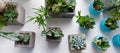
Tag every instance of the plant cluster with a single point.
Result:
(9, 14)
(98, 5)
(78, 42)
(59, 6)
(24, 38)
(85, 21)
(101, 43)
(53, 33)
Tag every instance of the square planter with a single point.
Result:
(62, 15)
(71, 49)
(50, 38)
(31, 41)
(21, 14)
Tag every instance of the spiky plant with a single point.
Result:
(78, 42)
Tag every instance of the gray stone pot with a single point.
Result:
(21, 14)
(71, 49)
(56, 39)
(31, 41)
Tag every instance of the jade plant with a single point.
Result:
(53, 33)
(22, 38)
(101, 43)
(60, 6)
(40, 17)
(9, 14)
(111, 23)
(98, 5)
(85, 21)
(78, 42)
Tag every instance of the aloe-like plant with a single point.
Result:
(111, 23)
(53, 33)
(24, 38)
(101, 43)
(98, 5)
(59, 6)
(78, 42)
(39, 16)
(85, 21)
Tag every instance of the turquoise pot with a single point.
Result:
(116, 40)
(92, 9)
(83, 29)
(94, 45)
(103, 27)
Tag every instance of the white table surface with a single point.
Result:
(68, 25)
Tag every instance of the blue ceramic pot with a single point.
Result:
(92, 9)
(94, 45)
(83, 28)
(103, 27)
(116, 40)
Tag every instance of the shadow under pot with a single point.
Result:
(92, 9)
(77, 43)
(116, 40)
(100, 43)
(104, 27)
(54, 34)
(31, 41)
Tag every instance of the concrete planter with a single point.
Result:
(71, 49)
(21, 14)
(62, 15)
(31, 41)
(48, 38)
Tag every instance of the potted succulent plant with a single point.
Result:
(95, 7)
(85, 22)
(100, 43)
(61, 8)
(116, 40)
(12, 13)
(53, 34)
(76, 42)
(24, 39)
(110, 24)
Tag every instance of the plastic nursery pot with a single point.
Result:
(116, 40)
(92, 9)
(94, 45)
(103, 27)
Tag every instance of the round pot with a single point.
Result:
(103, 27)
(116, 40)
(92, 9)
(83, 28)
(94, 45)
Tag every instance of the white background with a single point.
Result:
(68, 25)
